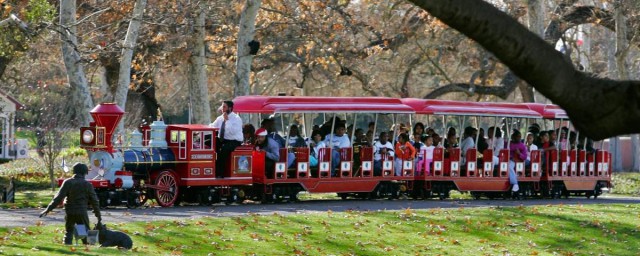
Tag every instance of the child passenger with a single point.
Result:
(404, 152)
(425, 157)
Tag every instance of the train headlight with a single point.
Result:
(87, 136)
(101, 172)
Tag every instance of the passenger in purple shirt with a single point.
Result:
(517, 152)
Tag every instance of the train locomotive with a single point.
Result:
(159, 162)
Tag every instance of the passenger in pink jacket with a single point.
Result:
(517, 153)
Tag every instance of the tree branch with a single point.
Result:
(535, 61)
(508, 84)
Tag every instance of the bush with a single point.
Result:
(73, 152)
(626, 183)
(31, 173)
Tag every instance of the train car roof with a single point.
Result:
(191, 126)
(468, 108)
(549, 111)
(308, 104)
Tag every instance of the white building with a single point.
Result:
(9, 146)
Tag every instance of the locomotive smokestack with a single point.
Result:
(107, 115)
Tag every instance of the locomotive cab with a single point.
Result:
(194, 149)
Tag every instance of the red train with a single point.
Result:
(176, 162)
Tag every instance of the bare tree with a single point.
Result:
(198, 90)
(124, 76)
(80, 93)
(245, 52)
(53, 144)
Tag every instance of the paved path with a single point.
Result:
(28, 217)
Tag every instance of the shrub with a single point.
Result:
(73, 152)
(626, 183)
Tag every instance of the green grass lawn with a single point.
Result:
(30, 199)
(537, 230)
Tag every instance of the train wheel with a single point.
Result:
(343, 196)
(167, 196)
(588, 194)
(233, 197)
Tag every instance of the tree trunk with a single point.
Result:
(80, 93)
(244, 58)
(124, 76)
(538, 63)
(536, 10)
(198, 89)
(4, 63)
(622, 50)
(536, 13)
(621, 68)
(622, 45)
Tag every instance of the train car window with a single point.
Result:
(196, 140)
(174, 136)
(201, 140)
(208, 140)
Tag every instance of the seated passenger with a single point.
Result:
(359, 141)
(248, 132)
(294, 141)
(563, 142)
(369, 138)
(517, 153)
(339, 139)
(382, 149)
(468, 142)
(450, 142)
(404, 152)
(316, 144)
(451, 139)
(437, 140)
(585, 143)
(418, 144)
(553, 137)
(545, 142)
(530, 146)
(416, 140)
(495, 141)
(534, 129)
(425, 157)
(418, 129)
(271, 149)
(269, 125)
(482, 141)
(430, 131)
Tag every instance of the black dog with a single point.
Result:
(108, 238)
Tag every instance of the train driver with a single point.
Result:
(229, 136)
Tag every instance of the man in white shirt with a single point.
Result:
(337, 140)
(229, 136)
(381, 148)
